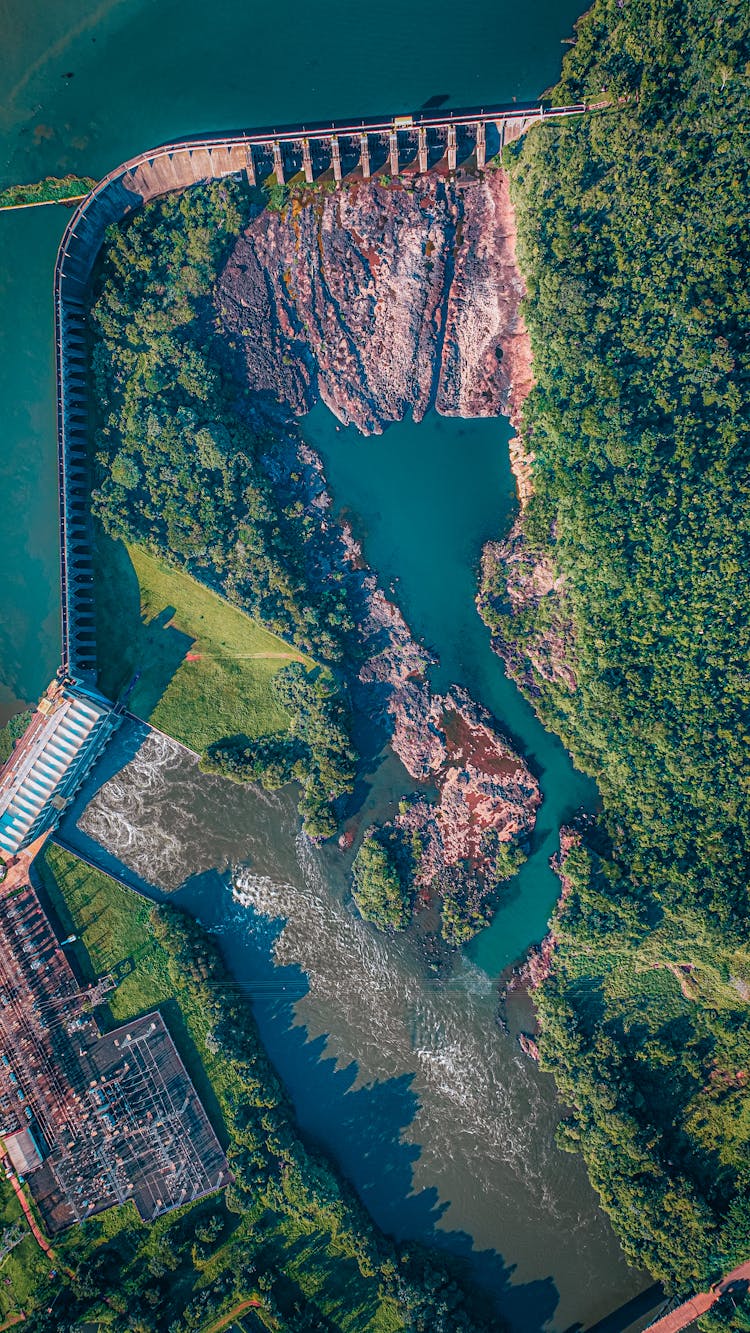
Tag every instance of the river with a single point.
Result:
(443, 1126)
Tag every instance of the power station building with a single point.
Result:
(69, 728)
(90, 1118)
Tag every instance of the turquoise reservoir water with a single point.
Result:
(423, 499)
(443, 1127)
(29, 600)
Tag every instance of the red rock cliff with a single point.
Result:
(384, 300)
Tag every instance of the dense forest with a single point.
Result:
(382, 873)
(190, 467)
(634, 238)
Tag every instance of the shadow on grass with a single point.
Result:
(127, 645)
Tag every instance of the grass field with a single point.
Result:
(25, 1271)
(205, 667)
(111, 925)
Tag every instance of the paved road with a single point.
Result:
(38, 1235)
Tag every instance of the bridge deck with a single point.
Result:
(687, 1313)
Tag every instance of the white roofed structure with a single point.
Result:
(49, 763)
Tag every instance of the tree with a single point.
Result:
(380, 891)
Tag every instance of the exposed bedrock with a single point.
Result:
(384, 300)
(485, 794)
(483, 786)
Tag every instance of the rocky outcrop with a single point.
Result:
(483, 785)
(485, 794)
(486, 355)
(384, 301)
(516, 578)
(528, 1046)
(447, 740)
(522, 467)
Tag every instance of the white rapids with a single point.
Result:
(481, 1103)
(486, 1115)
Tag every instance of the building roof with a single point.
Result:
(48, 762)
(23, 1152)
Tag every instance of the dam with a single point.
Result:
(73, 720)
(469, 139)
(289, 160)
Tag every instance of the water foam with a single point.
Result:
(480, 1103)
(123, 815)
(485, 1114)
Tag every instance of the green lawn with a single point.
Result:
(206, 668)
(24, 1272)
(112, 926)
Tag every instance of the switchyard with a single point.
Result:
(91, 1119)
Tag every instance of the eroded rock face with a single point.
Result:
(485, 366)
(384, 300)
(485, 793)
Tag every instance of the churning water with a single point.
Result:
(444, 1127)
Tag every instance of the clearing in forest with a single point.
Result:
(206, 668)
